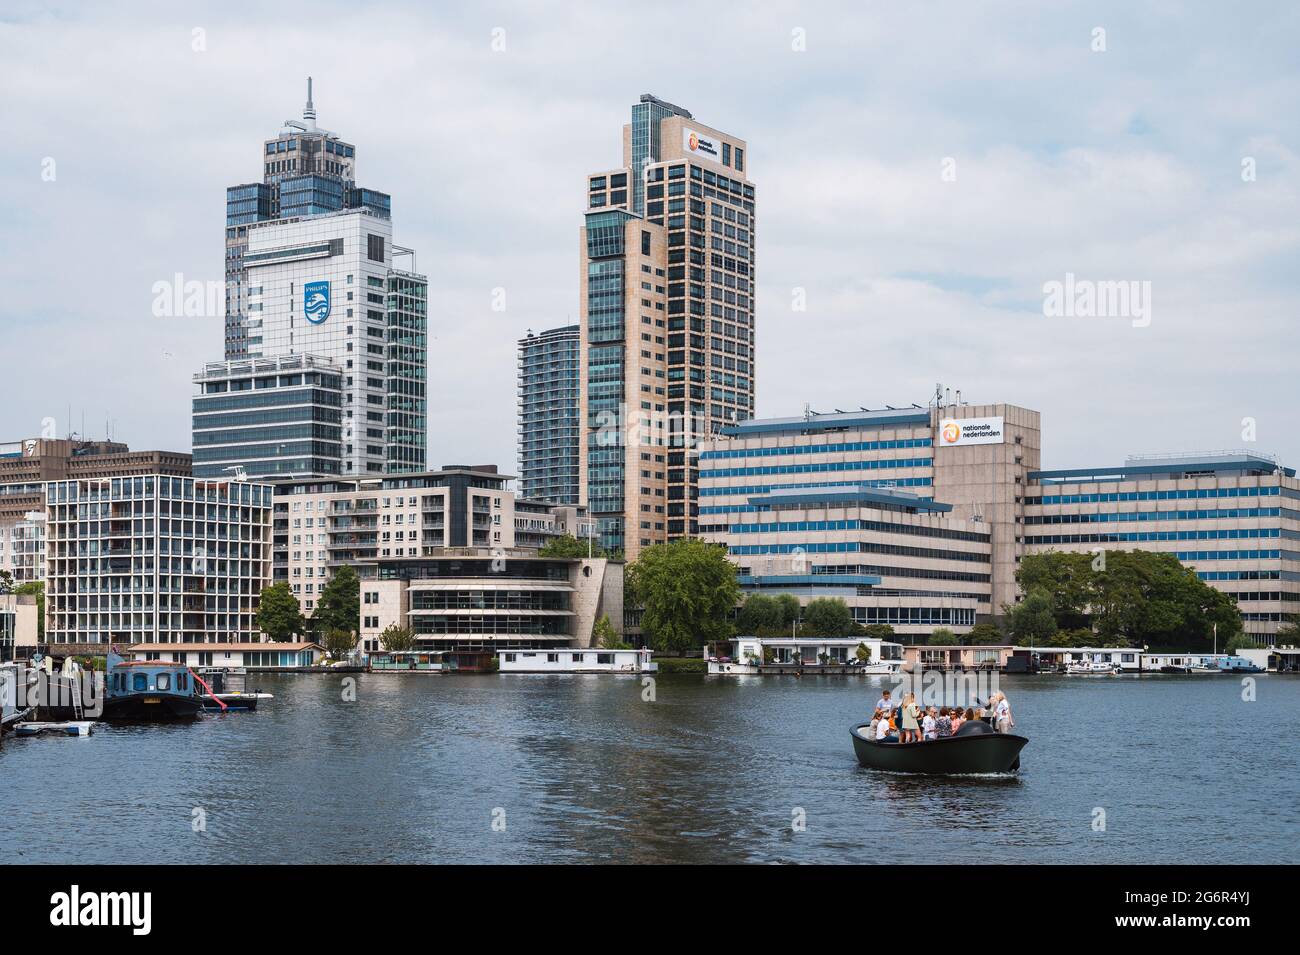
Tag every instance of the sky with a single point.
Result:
(924, 172)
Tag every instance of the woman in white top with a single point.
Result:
(1002, 720)
(882, 730)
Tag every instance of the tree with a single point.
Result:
(278, 613)
(1031, 622)
(768, 615)
(36, 589)
(568, 546)
(827, 617)
(688, 590)
(339, 604)
(396, 638)
(339, 643)
(1069, 580)
(1238, 643)
(6, 582)
(943, 637)
(983, 635)
(1288, 632)
(604, 635)
(863, 653)
(878, 631)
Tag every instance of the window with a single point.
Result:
(139, 682)
(604, 658)
(375, 248)
(164, 681)
(645, 243)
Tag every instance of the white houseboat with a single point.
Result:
(1180, 662)
(814, 654)
(1089, 659)
(576, 660)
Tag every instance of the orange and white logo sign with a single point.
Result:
(954, 432)
(694, 142)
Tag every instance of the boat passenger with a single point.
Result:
(885, 704)
(1002, 720)
(911, 713)
(884, 732)
(876, 717)
(930, 723)
(955, 719)
(944, 727)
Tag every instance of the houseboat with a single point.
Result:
(151, 690)
(247, 656)
(1179, 663)
(776, 655)
(576, 660)
(1236, 664)
(1117, 659)
(1274, 659)
(405, 661)
(983, 657)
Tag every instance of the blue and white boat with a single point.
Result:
(149, 690)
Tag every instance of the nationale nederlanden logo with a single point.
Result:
(951, 432)
(695, 142)
(316, 301)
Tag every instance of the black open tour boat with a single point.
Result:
(975, 748)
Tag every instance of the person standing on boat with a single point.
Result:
(885, 704)
(1002, 720)
(911, 728)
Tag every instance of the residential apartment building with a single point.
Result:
(1233, 517)
(26, 466)
(667, 280)
(154, 559)
(549, 424)
(278, 418)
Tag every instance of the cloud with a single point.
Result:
(1117, 165)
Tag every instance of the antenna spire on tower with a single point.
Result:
(309, 111)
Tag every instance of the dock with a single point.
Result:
(68, 728)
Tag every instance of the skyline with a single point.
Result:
(489, 180)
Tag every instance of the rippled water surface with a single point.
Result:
(582, 770)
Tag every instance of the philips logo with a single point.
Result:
(316, 301)
(103, 908)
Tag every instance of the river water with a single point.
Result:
(514, 768)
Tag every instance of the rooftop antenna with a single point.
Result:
(309, 111)
(807, 411)
(958, 396)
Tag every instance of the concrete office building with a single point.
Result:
(476, 600)
(784, 495)
(154, 559)
(310, 272)
(325, 286)
(667, 282)
(320, 526)
(1233, 517)
(278, 418)
(876, 507)
(305, 171)
(549, 425)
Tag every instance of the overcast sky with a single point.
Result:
(922, 170)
